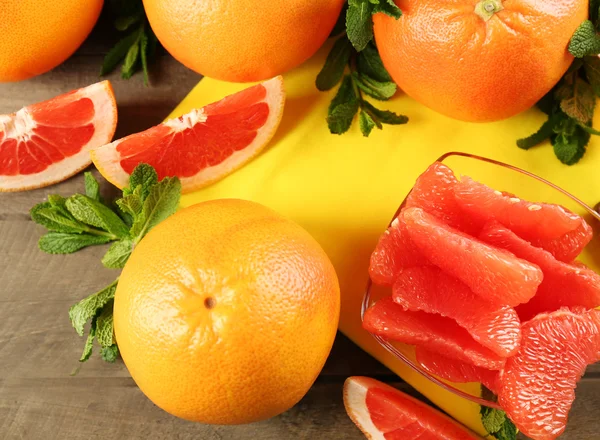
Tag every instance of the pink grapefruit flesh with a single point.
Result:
(568, 246)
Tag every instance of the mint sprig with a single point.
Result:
(84, 220)
(496, 423)
(355, 64)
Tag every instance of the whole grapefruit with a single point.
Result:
(234, 40)
(480, 60)
(226, 312)
(38, 36)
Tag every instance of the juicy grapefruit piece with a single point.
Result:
(385, 413)
(494, 274)
(48, 142)
(202, 146)
(437, 333)
(546, 225)
(564, 284)
(394, 251)
(536, 388)
(431, 290)
(455, 370)
(434, 193)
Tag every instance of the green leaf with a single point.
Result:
(592, 70)
(162, 201)
(94, 213)
(359, 25)
(384, 116)
(388, 7)
(375, 89)
(110, 354)
(334, 66)
(585, 41)
(366, 123)
(492, 419)
(545, 132)
(570, 143)
(57, 201)
(340, 119)
(104, 325)
(92, 188)
(54, 219)
(340, 24)
(368, 62)
(87, 308)
(131, 59)
(89, 343)
(507, 432)
(144, 56)
(590, 130)
(124, 22)
(65, 243)
(132, 203)
(577, 99)
(118, 254)
(117, 53)
(145, 176)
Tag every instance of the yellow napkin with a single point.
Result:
(344, 189)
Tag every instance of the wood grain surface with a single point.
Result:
(46, 394)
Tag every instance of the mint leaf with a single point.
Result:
(89, 343)
(368, 62)
(384, 116)
(123, 23)
(117, 53)
(131, 59)
(94, 213)
(343, 107)
(545, 131)
(585, 41)
(366, 123)
(92, 188)
(162, 201)
(359, 25)
(118, 254)
(53, 219)
(508, 431)
(570, 141)
(577, 99)
(388, 7)
(110, 354)
(376, 89)
(492, 419)
(104, 325)
(132, 203)
(334, 66)
(87, 308)
(64, 243)
(143, 175)
(144, 56)
(57, 201)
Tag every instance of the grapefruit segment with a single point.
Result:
(564, 284)
(433, 291)
(437, 333)
(568, 246)
(536, 388)
(385, 413)
(47, 142)
(494, 274)
(202, 146)
(394, 251)
(455, 370)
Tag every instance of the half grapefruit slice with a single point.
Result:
(47, 142)
(202, 146)
(385, 413)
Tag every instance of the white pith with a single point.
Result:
(19, 125)
(355, 395)
(107, 159)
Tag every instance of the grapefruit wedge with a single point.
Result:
(47, 142)
(202, 146)
(385, 413)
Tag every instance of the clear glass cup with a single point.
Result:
(502, 177)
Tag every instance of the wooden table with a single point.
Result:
(41, 397)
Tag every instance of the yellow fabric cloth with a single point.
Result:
(344, 189)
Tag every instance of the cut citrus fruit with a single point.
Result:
(202, 146)
(433, 291)
(455, 370)
(434, 193)
(545, 225)
(47, 142)
(564, 284)
(537, 386)
(494, 274)
(434, 332)
(394, 251)
(385, 413)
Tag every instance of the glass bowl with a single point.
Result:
(502, 177)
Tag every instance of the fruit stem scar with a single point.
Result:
(210, 302)
(487, 8)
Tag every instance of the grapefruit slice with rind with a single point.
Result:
(492, 273)
(437, 333)
(433, 291)
(203, 145)
(382, 412)
(564, 284)
(48, 142)
(536, 388)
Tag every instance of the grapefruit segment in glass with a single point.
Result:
(494, 274)
(385, 413)
(568, 246)
(202, 146)
(536, 388)
(564, 284)
(437, 333)
(47, 142)
(431, 290)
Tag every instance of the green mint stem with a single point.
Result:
(103, 233)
